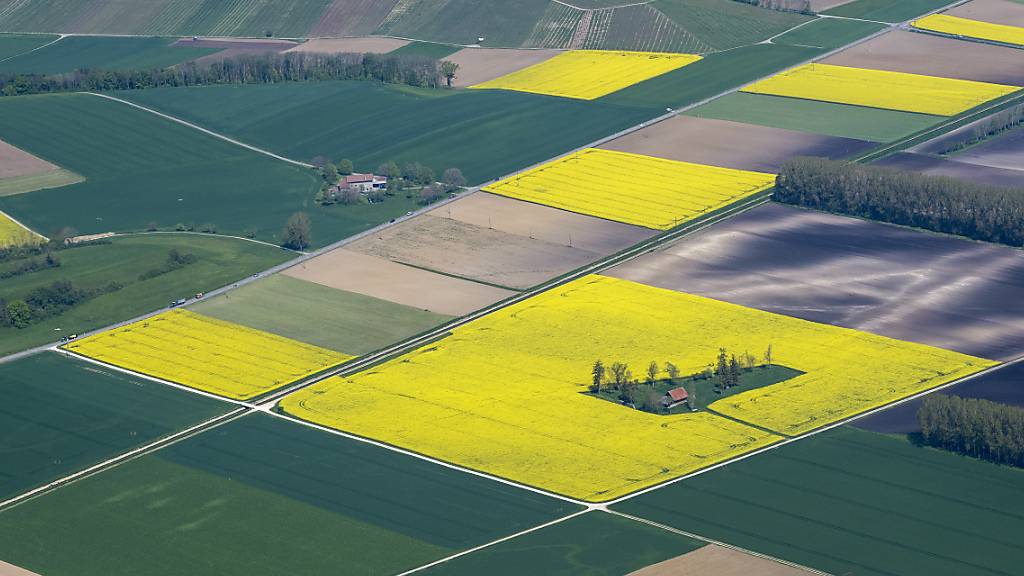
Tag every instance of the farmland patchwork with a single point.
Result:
(632, 188)
(860, 87)
(208, 354)
(497, 393)
(590, 74)
(971, 28)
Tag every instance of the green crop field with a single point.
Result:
(710, 76)
(60, 415)
(165, 17)
(263, 496)
(829, 33)
(485, 133)
(499, 22)
(428, 49)
(219, 261)
(855, 502)
(593, 544)
(872, 124)
(726, 24)
(105, 53)
(12, 45)
(887, 10)
(344, 321)
(142, 169)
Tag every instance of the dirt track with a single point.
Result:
(380, 278)
(997, 11)
(731, 144)
(914, 52)
(712, 560)
(12, 570)
(16, 162)
(338, 45)
(478, 65)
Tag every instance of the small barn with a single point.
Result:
(675, 397)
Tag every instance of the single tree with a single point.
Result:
(672, 370)
(597, 374)
(390, 169)
(652, 373)
(330, 173)
(722, 364)
(749, 361)
(734, 371)
(410, 170)
(425, 175)
(453, 179)
(768, 357)
(345, 166)
(19, 314)
(448, 70)
(620, 374)
(298, 233)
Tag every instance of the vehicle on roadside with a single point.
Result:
(178, 302)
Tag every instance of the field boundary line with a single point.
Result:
(19, 223)
(494, 542)
(50, 43)
(201, 129)
(714, 542)
(208, 234)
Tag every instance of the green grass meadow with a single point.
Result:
(220, 261)
(427, 49)
(61, 415)
(887, 10)
(485, 133)
(854, 502)
(103, 53)
(141, 169)
(842, 120)
(829, 34)
(729, 24)
(330, 318)
(263, 496)
(592, 544)
(11, 45)
(499, 22)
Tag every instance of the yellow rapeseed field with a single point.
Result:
(972, 28)
(208, 354)
(881, 89)
(590, 74)
(632, 188)
(503, 394)
(11, 234)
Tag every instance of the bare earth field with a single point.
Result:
(915, 53)
(543, 223)
(352, 17)
(338, 45)
(897, 282)
(465, 250)
(380, 278)
(16, 162)
(1005, 151)
(12, 570)
(232, 47)
(478, 65)
(996, 11)
(731, 144)
(954, 169)
(712, 560)
(822, 5)
(21, 172)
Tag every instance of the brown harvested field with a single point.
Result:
(543, 223)
(380, 278)
(713, 560)
(976, 172)
(997, 11)
(1005, 151)
(731, 144)
(454, 247)
(893, 281)
(915, 52)
(478, 65)
(352, 17)
(12, 570)
(822, 5)
(232, 47)
(16, 162)
(338, 45)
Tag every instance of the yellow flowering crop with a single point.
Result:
(632, 188)
(971, 28)
(590, 74)
(208, 354)
(504, 393)
(881, 89)
(11, 234)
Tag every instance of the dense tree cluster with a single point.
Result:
(46, 301)
(978, 428)
(936, 203)
(244, 69)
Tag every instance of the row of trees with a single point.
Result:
(940, 204)
(997, 124)
(411, 70)
(801, 6)
(978, 428)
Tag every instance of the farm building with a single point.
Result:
(363, 182)
(675, 397)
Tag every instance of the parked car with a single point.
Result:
(73, 336)
(177, 302)
(199, 295)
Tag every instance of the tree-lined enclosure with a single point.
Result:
(411, 70)
(937, 203)
(974, 427)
